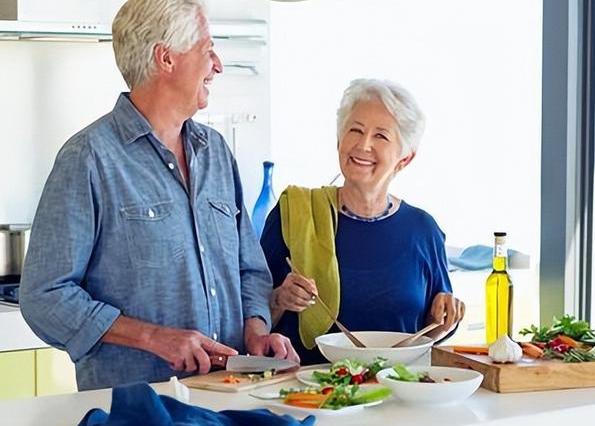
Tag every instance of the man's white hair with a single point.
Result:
(398, 101)
(140, 25)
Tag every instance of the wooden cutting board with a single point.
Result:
(214, 381)
(527, 375)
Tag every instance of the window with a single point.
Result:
(475, 69)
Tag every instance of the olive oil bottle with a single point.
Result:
(499, 293)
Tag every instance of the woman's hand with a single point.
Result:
(447, 310)
(294, 294)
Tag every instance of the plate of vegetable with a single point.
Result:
(344, 372)
(567, 339)
(330, 400)
(430, 385)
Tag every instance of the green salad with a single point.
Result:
(348, 371)
(402, 374)
(333, 398)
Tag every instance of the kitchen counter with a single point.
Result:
(484, 407)
(15, 334)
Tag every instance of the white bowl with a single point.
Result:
(462, 383)
(336, 347)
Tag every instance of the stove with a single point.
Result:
(9, 289)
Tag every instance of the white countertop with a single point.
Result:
(484, 407)
(15, 334)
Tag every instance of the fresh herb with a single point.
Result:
(567, 325)
(567, 339)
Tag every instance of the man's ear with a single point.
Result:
(162, 58)
(403, 162)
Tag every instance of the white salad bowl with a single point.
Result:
(336, 347)
(460, 384)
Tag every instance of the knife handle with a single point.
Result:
(218, 362)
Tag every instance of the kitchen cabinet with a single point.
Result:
(35, 372)
(17, 374)
(54, 372)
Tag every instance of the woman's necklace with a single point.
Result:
(386, 212)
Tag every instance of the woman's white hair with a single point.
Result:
(142, 24)
(398, 101)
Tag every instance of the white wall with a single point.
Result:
(475, 68)
(50, 90)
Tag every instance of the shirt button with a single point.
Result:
(201, 248)
(171, 166)
(213, 291)
(151, 213)
(214, 336)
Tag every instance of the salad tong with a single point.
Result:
(358, 343)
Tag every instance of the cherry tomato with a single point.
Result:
(326, 390)
(357, 379)
(342, 371)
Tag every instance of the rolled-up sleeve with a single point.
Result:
(52, 293)
(255, 277)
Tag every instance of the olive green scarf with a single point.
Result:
(309, 225)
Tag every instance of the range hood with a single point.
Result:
(91, 20)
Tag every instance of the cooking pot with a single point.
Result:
(14, 240)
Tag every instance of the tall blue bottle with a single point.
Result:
(266, 200)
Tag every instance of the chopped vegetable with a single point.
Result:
(568, 339)
(532, 350)
(404, 375)
(231, 379)
(478, 350)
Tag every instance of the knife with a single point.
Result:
(250, 363)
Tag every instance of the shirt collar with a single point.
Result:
(132, 124)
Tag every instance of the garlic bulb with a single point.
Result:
(505, 350)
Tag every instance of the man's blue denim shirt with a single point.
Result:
(116, 231)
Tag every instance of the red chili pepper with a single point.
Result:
(562, 348)
(342, 371)
(326, 390)
(555, 342)
(357, 379)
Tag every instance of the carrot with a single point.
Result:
(477, 350)
(231, 379)
(568, 340)
(532, 350)
(306, 400)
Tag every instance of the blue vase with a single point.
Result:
(266, 200)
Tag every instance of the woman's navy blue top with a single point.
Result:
(390, 271)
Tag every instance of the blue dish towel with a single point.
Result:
(138, 404)
(475, 258)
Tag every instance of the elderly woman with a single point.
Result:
(376, 261)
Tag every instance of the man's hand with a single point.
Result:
(274, 343)
(447, 310)
(186, 350)
(258, 341)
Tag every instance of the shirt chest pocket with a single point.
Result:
(154, 233)
(223, 214)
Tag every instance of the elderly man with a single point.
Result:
(142, 261)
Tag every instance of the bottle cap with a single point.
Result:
(499, 234)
